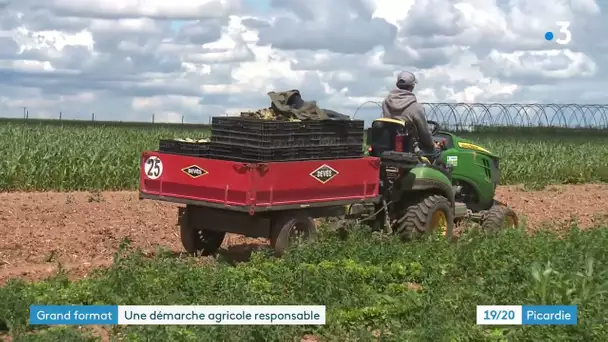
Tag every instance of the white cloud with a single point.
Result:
(126, 60)
(559, 64)
(186, 9)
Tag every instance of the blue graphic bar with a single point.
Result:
(549, 314)
(74, 314)
(177, 314)
(266, 315)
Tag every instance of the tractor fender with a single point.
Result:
(426, 179)
(469, 182)
(489, 199)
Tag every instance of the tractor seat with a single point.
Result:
(389, 134)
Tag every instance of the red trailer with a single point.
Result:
(274, 200)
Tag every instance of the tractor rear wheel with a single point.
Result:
(431, 213)
(499, 217)
(289, 230)
(196, 239)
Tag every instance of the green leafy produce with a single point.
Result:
(371, 286)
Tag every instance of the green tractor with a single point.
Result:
(422, 194)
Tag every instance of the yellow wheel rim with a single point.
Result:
(439, 222)
(510, 222)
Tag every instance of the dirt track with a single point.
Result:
(83, 230)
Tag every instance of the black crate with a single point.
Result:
(278, 134)
(277, 154)
(196, 149)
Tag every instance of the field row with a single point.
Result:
(45, 157)
(372, 287)
(78, 241)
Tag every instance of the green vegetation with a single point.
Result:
(88, 123)
(426, 291)
(77, 157)
(538, 160)
(84, 156)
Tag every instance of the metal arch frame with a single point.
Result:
(463, 115)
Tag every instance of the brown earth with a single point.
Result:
(82, 230)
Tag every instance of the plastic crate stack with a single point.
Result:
(195, 149)
(251, 140)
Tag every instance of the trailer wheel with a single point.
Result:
(431, 213)
(499, 217)
(287, 231)
(196, 239)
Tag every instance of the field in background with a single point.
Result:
(80, 156)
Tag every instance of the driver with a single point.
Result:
(401, 103)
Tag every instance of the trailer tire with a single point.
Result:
(197, 240)
(424, 217)
(499, 217)
(285, 229)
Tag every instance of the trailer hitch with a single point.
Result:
(474, 216)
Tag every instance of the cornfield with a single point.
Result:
(82, 157)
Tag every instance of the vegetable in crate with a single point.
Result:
(289, 106)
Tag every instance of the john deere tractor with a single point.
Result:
(423, 193)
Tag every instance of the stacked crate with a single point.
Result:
(254, 140)
(188, 148)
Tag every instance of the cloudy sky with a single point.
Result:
(127, 59)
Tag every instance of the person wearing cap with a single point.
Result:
(401, 103)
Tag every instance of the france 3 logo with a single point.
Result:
(565, 35)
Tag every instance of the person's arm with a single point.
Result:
(386, 112)
(425, 137)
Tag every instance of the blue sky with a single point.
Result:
(262, 5)
(177, 24)
(259, 5)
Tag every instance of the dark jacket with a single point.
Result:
(401, 103)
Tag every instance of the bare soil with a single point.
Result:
(81, 231)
